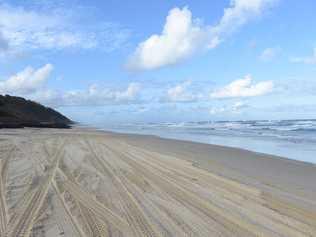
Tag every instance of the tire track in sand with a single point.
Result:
(72, 219)
(93, 205)
(22, 226)
(232, 221)
(135, 215)
(4, 215)
(255, 206)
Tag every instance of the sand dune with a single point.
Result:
(87, 183)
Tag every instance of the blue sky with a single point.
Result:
(151, 61)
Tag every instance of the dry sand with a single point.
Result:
(81, 182)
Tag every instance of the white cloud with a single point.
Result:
(30, 83)
(31, 28)
(243, 88)
(94, 95)
(269, 53)
(130, 93)
(307, 60)
(235, 108)
(180, 93)
(239, 13)
(238, 106)
(217, 110)
(182, 36)
(26, 81)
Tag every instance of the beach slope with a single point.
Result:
(81, 182)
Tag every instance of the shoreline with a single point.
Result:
(259, 169)
(250, 160)
(293, 139)
(143, 185)
(198, 142)
(215, 145)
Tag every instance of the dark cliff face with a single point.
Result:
(18, 112)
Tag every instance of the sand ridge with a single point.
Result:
(84, 183)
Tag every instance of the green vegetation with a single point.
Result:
(17, 112)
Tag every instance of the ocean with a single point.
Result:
(294, 139)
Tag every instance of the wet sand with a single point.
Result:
(81, 182)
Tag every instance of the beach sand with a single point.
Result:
(83, 182)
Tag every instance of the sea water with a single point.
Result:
(294, 139)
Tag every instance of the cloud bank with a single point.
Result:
(243, 88)
(27, 81)
(30, 83)
(235, 108)
(92, 96)
(180, 93)
(183, 36)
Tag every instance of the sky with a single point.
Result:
(115, 61)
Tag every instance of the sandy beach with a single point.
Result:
(82, 182)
